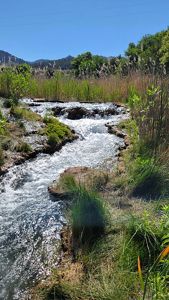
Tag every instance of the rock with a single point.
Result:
(58, 111)
(121, 167)
(127, 141)
(32, 127)
(39, 100)
(85, 176)
(33, 104)
(37, 142)
(115, 130)
(76, 113)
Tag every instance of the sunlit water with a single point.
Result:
(29, 220)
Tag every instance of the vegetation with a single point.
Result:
(123, 254)
(128, 259)
(88, 213)
(56, 131)
(24, 113)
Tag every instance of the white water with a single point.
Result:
(29, 220)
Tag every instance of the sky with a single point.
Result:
(34, 29)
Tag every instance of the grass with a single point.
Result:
(147, 160)
(66, 87)
(56, 131)
(23, 147)
(113, 88)
(24, 113)
(88, 213)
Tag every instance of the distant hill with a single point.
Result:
(63, 63)
(9, 59)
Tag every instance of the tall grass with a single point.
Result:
(88, 213)
(113, 88)
(151, 235)
(66, 87)
(148, 160)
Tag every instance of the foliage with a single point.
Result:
(56, 131)
(24, 113)
(164, 51)
(15, 82)
(146, 55)
(2, 124)
(154, 270)
(87, 65)
(147, 162)
(149, 179)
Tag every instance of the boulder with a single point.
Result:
(77, 113)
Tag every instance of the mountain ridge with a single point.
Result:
(8, 59)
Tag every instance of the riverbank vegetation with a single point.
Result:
(125, 258)
(93, 77)
(24, 134)
(128, 258)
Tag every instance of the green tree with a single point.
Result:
(20, 82)
(165, 50)
(86, 65)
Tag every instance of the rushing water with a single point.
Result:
(29, 220)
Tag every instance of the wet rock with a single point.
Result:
(58, 111)
(33, 104)
(32, 127)
(39, 100)
(115, 130)
(77, 113)
(37, 142)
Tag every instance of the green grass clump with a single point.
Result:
(150, 234)
(56, 131)
(24, 113)
(88, 213)
(150, 179)
(23, 147)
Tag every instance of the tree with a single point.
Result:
(20, 82)
(87, 65)
(165, 50)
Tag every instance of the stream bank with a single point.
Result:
(30, 221)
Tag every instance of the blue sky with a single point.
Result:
(33, 29)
